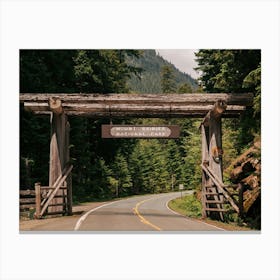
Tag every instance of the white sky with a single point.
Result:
(182, 59)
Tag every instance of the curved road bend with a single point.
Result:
(141, 213)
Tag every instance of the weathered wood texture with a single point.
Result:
(55, 190)
(215, 140)
(55, 105)
(38, 199)
(138, 105)
(244, 99)
(215, 144)
(205, 159)
(214, 193)
(58, 151)
(27, 200)
(127, 110)
(69, 177)
(28, 197)
(27, 192)
(246, 171)
(221, 187)
(216, 112)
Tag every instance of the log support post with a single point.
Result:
(69, 178)
(215, 148)
(211, 129)
(59, 153)
(205, 160)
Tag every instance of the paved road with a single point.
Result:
(140, 213)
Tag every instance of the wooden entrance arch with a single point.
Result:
(211, 107)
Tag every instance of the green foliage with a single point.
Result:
(191, 144)
(189, 206)
(225, 70)
(185, 88)
(167, 79)
(34, 137)
(148, 167)
(103, 71)
(47, 71)
(253, 82)
(121, 173)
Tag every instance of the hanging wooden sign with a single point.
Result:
(140, 131)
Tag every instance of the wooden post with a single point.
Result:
(215, 146)
(205, 159)
(57, 154)
(215, 150)
(69, 178)
(38, 200)
(55, 105)
(213, 157)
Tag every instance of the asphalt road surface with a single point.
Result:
(139, 213)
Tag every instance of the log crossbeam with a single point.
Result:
(135, 105)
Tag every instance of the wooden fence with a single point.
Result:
(42, 198)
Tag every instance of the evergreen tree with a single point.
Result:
(175, 163)
(167, 80)
(122, 175)
(185, 88)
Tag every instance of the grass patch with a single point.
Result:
(188, 206)
(191, 207)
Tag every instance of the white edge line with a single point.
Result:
(81, 220)
(166, 204)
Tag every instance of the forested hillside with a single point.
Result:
(150, 81)
(106, 168)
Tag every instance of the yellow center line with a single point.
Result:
(142, 219)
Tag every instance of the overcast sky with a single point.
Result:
(182, 59)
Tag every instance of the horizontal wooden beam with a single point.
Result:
(137, 105)
(141, 114)
(244, 99)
